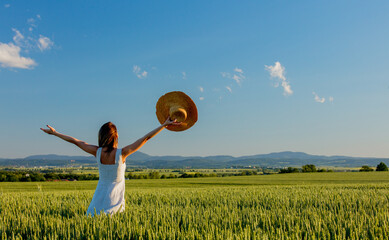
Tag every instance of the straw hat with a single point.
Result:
(177, 105)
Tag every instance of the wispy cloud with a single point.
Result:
(237, 75)
(18, 37)
(201, 90)
(318, 99)
(229, 89)
(28, 42)
(287, 88)
(183, 75)
(136, 69)
(238, 70)
(331, 99)
(10, 53)
(138, 72)
(278, 72)
(238, 79)
(33, 22)
(7, 5)
(44, 43)
(10, 57)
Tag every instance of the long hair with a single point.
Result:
(108, 136)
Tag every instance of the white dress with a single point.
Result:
(109, 194)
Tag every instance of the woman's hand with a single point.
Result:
(50, 131)
(171, 122)
(81, 144)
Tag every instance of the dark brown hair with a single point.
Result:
(108, 136)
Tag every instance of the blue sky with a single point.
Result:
(266, 76)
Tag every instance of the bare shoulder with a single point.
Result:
(91, 149)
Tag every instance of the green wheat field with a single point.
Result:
(353, 205)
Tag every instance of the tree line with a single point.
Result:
(157, 175)
(380, 167)
(304, 169)
(26, 176)
(312, 168)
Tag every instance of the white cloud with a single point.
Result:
(238, 70)
(318, 99)
(18, 38)
(10, 57)
(44, 43)
(7, 5)
(287, 88)
(331, 99)
(278, 71)
(201, 98)
(238, 79)
(183, 75)
(138, 72)
(229, 89)
(10, 54)
(201, 89)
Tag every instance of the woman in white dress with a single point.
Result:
(109, 194)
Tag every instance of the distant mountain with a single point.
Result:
(139, 159)
(283, 155)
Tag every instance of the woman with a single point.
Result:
(109, 194)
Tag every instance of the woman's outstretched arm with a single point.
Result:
(92, 149)
(130, 149)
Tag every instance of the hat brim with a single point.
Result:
(182, 100)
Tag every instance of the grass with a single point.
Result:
(348, 205)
